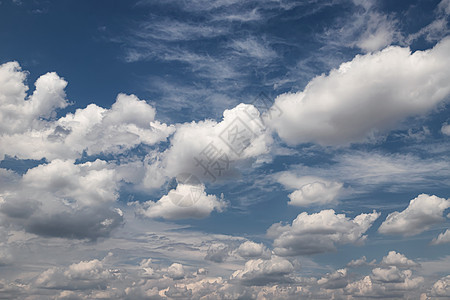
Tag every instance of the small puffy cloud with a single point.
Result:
(310, 190)
(315, 193)
(445, 129)
(392, 274)
(360, 262)
(319, 232)
(421, 213)
(176, 271)
(442, 238)
(397, 259)
(19, 113)
(249, 249)
(370, 94)
(187, 201)
(262, 272)
(335, 280)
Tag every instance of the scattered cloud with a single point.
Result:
(319, 232)
(344, 106)
(262, 272)
(421, 213)
(442, 238)
(310, 190)
(250, 249)
(62, 199)
(398, 260)
(445, 129)
(185, 202)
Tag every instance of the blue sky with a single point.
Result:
(224, 149)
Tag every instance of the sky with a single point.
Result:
(223, 149)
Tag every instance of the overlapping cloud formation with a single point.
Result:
(84, 167)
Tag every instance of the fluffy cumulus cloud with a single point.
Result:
(19, 112)
(262, 272)
(185, 202)
(310, 190)
(29, 128)
(442, 238)
(62, 199)
(370, 94)
(209, 149)
(421, 213)
(319, 232)
(441, 288)
(397, 259)
(335, 280)
(250, 249)
(445, 129)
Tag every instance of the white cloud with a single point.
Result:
(315, 193)
(392, 274)
(185, 202)
(360, 262)
(370, 94)
(441, 288)
(261, 272)
(421, 213)
(445, 129)
(62, 199)
(335, 280)
(319, 232)
(397, 259)
(250, 249)
(19, 113)
(380, 32)
(176, 271)
(442, 238)
(310, 190)
(208, 149)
